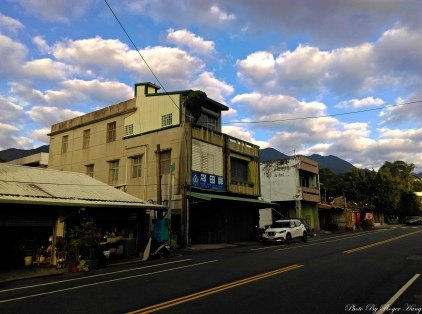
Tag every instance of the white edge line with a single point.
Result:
(394, 298)
(104, 282)
(92, 276)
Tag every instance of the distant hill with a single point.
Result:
(269, 154)
(419, 175)
(335, 164)
(15, 153)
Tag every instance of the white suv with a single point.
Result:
(285, 230)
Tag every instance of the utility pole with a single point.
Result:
(159, 174)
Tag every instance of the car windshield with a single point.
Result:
(281, 224)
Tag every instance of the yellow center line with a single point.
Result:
(380, 242)
(204, 293)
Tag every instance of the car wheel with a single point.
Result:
(305, 236)
(288, 238)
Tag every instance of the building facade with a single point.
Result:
(293, 183)
(167, 148)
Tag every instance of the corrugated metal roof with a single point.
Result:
(19, 184)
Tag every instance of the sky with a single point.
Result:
(326, 77)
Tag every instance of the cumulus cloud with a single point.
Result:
(213, 87)
(394, 60)
(110, 56)
(47, 69)
(405, 111)
(184, 38)
(10, 25)
(204, 14)
(277, 107)
(41, 44)
(360, 103)
(12, 54)
(10, 137)
(46, 116)
(10, 111)
(74, 93)
(40, 135)
(220, 15)
(57, 10)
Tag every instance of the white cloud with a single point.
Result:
(46, 116)
(57, 10)
(74, 93)
(258, 68)
(213, 87)
(11, 25)
(41, 44)
(277, 107)
(10, 138)
(47, 69)
(173, 66)
(220, 15)
(184, 38)
(360, 103)
(9, 110)
(405, 111)
(12, 54)
(40, 135)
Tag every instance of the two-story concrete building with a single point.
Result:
(293, 183)
(167, 148)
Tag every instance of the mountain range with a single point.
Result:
(335, 164)
(15, 153)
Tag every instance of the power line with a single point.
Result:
(143, 59)
(324, 116)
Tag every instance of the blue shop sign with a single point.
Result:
(208, 181)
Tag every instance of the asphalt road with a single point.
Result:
(351, 273)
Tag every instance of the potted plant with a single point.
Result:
(81, 241)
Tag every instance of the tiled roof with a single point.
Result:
(27, 185)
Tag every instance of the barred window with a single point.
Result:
(65, 142)
(136, 166)
(111, 131)
(113, 172)
(128, 129)
(90, 170)
(167, 120)
(86, 138)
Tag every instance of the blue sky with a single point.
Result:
(278, 61)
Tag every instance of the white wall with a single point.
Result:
(280, 180)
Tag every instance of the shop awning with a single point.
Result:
(209, 197)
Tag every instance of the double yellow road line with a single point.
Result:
(380, 242)
(204, 293)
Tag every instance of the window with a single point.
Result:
(128, 129)
(86, 136)
(212, 123)
(136, 166)
(165, 158)
(65, 142)
(239, 170)
(113, 171)
(111, 131)
(90, 170)
(167, 120)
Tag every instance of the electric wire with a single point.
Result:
(324, 116)
(143, 59)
